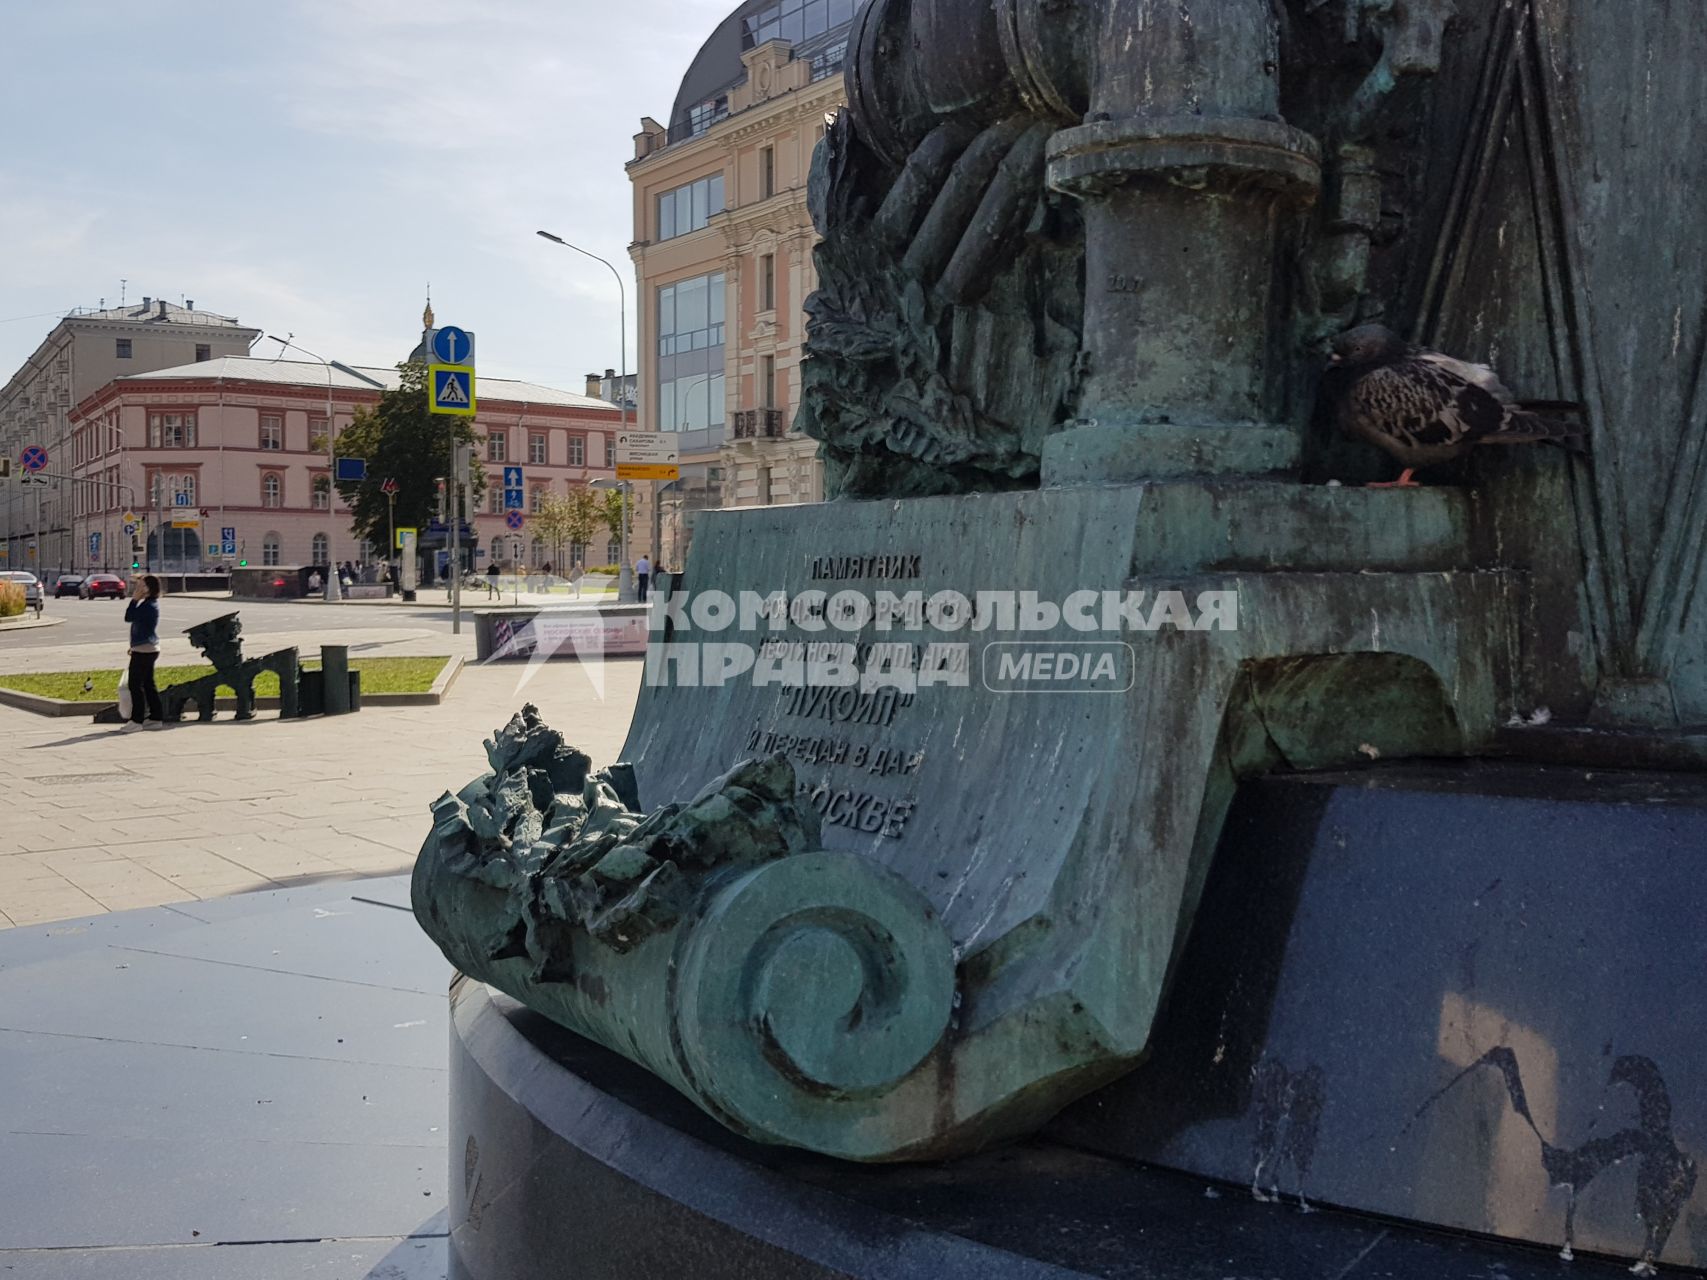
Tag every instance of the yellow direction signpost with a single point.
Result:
(647, 455)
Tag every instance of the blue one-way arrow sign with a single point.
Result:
(512, 477)
(453, 346)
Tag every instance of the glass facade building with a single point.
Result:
(795, 21)
(689, 207)
(690, 353)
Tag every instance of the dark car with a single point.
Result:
(103, 584)
(68, 584)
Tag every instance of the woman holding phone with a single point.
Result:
(143, 614)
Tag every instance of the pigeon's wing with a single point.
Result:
(1417, 403)
(1476, 374)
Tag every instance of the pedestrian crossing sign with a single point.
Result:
(450, 388)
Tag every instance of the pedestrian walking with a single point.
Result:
(315, 582)
(642, 578)
(143, 615)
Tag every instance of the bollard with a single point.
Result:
(355, 691)
(290, 694)
(335, 664)
(313, 693)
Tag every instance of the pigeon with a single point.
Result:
(1426, 408)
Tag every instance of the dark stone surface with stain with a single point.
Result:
(1467, 995)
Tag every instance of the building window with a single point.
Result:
(700, 117)
(767, 172)
(577, 451)
(767, 282)
(536, 495)
(536, 448)
(272, 491)
(322, 495)
(764, 486)
(123, 345)
(690, 353)
(613, 552)
(203, 352)
(826, 62)
(795, 21)
(320, 549)
(317, 433)
(689, 207)
(183, 490)
(538, 549)
(610, 451)
(494, 501)
(172, 430)
(767, 381)
(272, 431)
(495, 447)
(270, 549)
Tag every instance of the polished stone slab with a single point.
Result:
(246, 1087)
(1441, 993)
(569, 1160)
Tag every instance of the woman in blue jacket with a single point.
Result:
(143, 614)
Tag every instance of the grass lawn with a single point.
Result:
(379, 675)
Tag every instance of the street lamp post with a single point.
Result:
(625, 572)
(332, 594)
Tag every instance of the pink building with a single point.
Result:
(231, 437)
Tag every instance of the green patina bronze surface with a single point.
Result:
(1078, 263)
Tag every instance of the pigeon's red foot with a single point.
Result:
(1403, 482)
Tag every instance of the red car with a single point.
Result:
(102, 584)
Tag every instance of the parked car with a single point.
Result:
(68, 584)
(32, 588)
(103, 584)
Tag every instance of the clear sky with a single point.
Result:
(309, 165)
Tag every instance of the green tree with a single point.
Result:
(402, 441)
(567, 520)
(615, 507)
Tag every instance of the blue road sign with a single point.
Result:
(514, 519)
(94, 545)
(453, 346)
(33, 458)
(228, 534)
(451, 389)
(513, 500)
(512, 477)
(228, 547)
(180, 499)
(352, 468)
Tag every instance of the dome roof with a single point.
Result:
(717, 66)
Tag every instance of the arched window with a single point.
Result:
(612, 551)
(272, 491)
(320, 549)
(270, 547)
(322, 493)
(183, 486)
(538, 552)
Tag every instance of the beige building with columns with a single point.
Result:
(723, 254)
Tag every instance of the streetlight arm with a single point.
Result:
(622, 348)
(332, 592)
